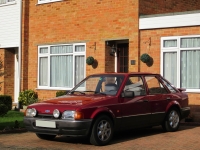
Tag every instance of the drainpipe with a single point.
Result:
(19, 52)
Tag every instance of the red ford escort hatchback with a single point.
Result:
(104, 103)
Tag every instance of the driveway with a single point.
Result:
(187, 138)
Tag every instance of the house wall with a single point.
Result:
(7, 68)
(150, 7)
(154, 51)
(87, 21)
(9, 72)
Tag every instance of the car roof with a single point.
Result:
(130, 73)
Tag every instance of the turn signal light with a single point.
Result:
(78, 116)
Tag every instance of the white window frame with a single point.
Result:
(8, 3)
(178, 50)
(47, 1)
(48, 55)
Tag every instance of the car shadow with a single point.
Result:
(121, 136)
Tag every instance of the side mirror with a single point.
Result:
(128, 94)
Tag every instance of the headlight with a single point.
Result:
(56, 113)
(74, 115)
(68, 115)
(31, 112)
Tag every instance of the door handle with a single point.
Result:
(168, 98)
(145, 100)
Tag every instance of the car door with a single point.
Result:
(158, 98)
(135, 110)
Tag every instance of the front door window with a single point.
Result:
(122, 57)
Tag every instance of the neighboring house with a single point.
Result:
(10, 46)
(58, 36)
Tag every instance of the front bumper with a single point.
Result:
(63, 127)
(185, 112)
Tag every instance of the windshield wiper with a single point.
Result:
(78, 92)
(100, 93)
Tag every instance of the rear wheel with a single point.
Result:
(46, 136)
(172, 120)
(102, 131)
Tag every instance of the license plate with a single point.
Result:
(47, 124)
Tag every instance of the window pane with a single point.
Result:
(79, 68)
(170, 43)
(61, 71)
(44, 50)
(79, 48)
(155, 87)
(190, 69)
(190, 42)
(136, 85)
(43, 71)
(61, 49)
(3, 1)
(170, 67)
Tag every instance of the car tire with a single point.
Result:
(172, 120)
(46, 136)
(102, 131)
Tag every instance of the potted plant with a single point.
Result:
(90, 60)
(145, 58)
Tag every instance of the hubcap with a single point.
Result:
(173, 119)
(103, 130)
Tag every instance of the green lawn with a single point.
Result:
(9, 119)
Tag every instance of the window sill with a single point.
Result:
(39, 3)
(193, 91)
(53, 89)
(9, 3)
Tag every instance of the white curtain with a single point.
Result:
(190, 42)
(61, 67)
(190, 69)
(170, 67)
(43, 71)
(79, 68)
(79, 64)
(3, 1)
(170, 43)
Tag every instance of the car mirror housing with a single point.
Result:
(128, 94)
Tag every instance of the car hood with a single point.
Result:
(67, 102)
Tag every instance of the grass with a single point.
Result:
(9, 119)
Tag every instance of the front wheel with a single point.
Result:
(172, 120)
(46, 136)
(102, 131)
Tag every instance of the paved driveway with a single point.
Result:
(187, 138)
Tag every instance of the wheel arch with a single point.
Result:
(171, 105)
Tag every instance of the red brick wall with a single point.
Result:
(149, 7)
(9, 72)
(75, 21)
(2, 58)
(7, 58)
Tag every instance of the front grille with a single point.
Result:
(45, 116)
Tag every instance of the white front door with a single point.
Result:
(16, 80)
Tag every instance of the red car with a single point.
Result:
(104, 103)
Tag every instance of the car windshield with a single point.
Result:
(106, 84)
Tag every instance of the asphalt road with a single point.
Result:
(186, 138)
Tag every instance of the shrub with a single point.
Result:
(27, 97)
(3, 109)
(7, 100)
(60, 93)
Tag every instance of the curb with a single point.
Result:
(190, 123)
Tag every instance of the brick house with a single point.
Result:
(58, 35)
